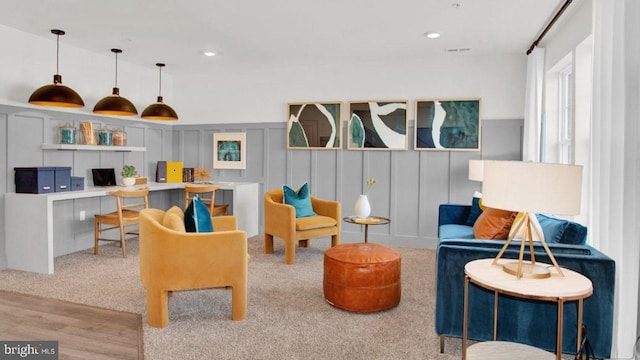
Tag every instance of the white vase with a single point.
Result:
(362, 208)
(128, 181)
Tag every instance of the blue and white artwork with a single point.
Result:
(314, 125)
(229, 151)
(447, 124)
(377, 125)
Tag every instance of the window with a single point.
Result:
(565, 116)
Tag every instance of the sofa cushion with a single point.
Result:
(493, 224)
(455, 231)
(558, 230)
(314, 222)
(300, 200)
(197, 217)
(476, 209)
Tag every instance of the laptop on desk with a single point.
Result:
(104, 177)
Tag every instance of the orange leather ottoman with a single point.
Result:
(362, 277)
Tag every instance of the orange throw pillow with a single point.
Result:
(494, 224)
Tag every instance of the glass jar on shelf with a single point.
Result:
(119, 137)
(67, 134)
(88, 133)
(105, 136)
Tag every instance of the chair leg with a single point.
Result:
(239, 302)
(304, 243)
(157, 307)
(268, 244)
(335, 240)
(290, 251)
(96, 232)
(441, 344)
(122, 242)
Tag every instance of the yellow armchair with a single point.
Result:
(172, 260)
(280, 220)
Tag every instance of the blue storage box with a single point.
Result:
(62, 180)
(35, 180)
(42, 180)
(77, 183)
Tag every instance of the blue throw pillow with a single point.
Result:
(300, 200)
(557, 230)
(575, 234)
(475, 211)
(552, 227)
(197, 217)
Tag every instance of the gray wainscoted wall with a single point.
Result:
(21, 138)
(409, 184)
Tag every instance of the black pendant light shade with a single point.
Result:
(56, 94)
(115, 104)
(159, 110)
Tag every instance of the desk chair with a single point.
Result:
(207, 194)
(127, 214)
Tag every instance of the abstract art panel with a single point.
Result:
(447, 124)
(377, 125)
(229, 151)
(314, 126)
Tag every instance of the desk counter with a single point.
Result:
(30, 226)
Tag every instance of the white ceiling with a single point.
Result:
(281, 32)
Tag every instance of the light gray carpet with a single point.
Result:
(287, 315)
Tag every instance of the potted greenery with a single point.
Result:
(129, 175)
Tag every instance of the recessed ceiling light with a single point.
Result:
(432, 35)
(209, 53)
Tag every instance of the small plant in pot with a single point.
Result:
(129, 175)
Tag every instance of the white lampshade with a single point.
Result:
(532, 187)
(475, 170)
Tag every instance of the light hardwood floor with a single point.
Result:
(82, 331)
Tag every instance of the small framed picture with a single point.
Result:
(229, 151)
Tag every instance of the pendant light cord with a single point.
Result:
(160, 82)
(57, 53)
(116, 68)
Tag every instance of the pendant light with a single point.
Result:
(159, 110)
(56, 94)
(115, 104)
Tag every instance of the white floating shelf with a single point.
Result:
(73, 147)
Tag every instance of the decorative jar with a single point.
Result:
(119, 137)
(88, 134)
(105, 136)
(67, 134)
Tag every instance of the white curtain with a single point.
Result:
(615, 170)
(531, 146)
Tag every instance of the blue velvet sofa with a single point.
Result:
(519, 320)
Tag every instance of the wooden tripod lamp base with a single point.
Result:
(527, 268)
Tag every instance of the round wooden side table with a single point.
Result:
(371, 220)
(572, 286)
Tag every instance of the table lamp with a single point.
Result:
(475, 170)
(531, 187)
